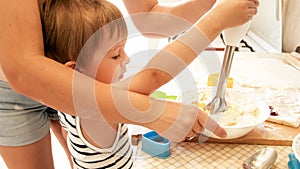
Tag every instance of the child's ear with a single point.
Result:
(71, 64)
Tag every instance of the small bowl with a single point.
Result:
(237, 97)
(155, 145)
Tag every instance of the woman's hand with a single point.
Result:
(231, 13)
(180, 121)
(205, 122)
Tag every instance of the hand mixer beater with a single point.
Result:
(232, 38)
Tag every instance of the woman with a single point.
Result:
(28, 72)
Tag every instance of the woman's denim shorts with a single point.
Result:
(22, 120)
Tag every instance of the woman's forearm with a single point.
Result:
(164, 15)
(175, 57)
(30, 73)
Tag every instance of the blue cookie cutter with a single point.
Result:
(293, 163)
(155, 145)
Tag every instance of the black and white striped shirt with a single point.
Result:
(87, 156)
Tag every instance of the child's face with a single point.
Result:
(113, 65)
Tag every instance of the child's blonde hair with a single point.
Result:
(68, 24)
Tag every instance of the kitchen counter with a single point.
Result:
(193, 155)
(275, 76)
(204, 155)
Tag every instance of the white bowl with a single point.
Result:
(296, 146)
(237, 131)
(241, 98)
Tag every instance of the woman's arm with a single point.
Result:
(171, 60)
(187, 11)
(33, 75)
(22, 58)
(190, 10)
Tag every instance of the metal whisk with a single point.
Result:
(218, 103)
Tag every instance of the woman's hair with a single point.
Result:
(68, 25)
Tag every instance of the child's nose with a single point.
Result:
(126, 60)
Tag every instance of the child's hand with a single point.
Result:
(231, 13)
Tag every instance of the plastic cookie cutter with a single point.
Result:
(293, 163)
(155, 145)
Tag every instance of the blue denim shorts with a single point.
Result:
(22, 120)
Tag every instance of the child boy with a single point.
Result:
(68, 26)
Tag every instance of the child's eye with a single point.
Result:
(116, 57)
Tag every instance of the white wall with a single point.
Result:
(267, 23)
